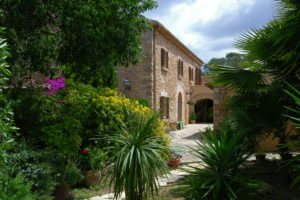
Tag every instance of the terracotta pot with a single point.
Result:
(62, 192)
(92, 178)
(174, 163)
(193, 121)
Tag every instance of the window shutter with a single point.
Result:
(181, 68)
(162, 57)
(178, 67)
(167, 104)
(167, 59)
(192, 75)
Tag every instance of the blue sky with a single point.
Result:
(208, 27)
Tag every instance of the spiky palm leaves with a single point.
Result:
(137, 157)
(219, 177)
(277, 45)
(295, 116)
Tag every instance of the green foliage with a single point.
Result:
(276, 45)
(14, 187)
(88, 39)
(92, 159)
(220, 176)
(35, 167)
(137, 157)
(193, 116)
(143, 102)
(295, 162)
(231, 59)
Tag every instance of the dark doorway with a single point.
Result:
(204, 111)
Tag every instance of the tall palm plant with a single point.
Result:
(137, 157)
(219, 177)
(257, 106)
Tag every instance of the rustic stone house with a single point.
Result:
(166, 77)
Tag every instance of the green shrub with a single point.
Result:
(143, 102)
(137, 157)
(15, 187)
(295, 161)
(92, 158)
(220, 176)
(193, 116)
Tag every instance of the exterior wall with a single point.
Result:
(167, 81)
(140, 75)
(220, 95)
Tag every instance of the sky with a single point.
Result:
(208, 27)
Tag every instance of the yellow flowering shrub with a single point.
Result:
(111, 104)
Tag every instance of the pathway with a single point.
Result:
(186, 138)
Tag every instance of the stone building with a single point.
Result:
(166, 77)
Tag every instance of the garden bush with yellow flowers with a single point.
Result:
(67, 118)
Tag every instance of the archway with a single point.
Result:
(204, 111)
(179, 109)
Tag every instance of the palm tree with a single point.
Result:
(274, 51)
(137, 157)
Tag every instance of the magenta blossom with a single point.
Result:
(54, 85)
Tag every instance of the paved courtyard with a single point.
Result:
(183, 140)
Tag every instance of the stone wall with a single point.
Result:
(140, 75)
(220, 95)
(150, 81)
(168, 83)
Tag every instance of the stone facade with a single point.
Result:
(150, 80)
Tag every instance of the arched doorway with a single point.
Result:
(204, 111)
(179, 109)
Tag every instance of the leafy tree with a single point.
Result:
(231, 59)
(88, 39)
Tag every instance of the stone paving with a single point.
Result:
(187, 138)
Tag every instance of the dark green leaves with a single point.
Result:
(137, 157)
(220, 176)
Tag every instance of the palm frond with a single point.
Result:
(237, 78)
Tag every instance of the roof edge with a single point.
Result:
(163, 30)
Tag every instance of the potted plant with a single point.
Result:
(66, 175)
(92, 161)
(174, 159)
(193, 118)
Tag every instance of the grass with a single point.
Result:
(92, 191)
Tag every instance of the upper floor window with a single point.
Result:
(191, 74)
(180, 68)
(164, 58)
(198, 76)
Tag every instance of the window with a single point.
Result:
(191, 74)
(198, 76)
(180, 67)
(164, 58)
(164, 107)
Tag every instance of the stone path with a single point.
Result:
(186, 138)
